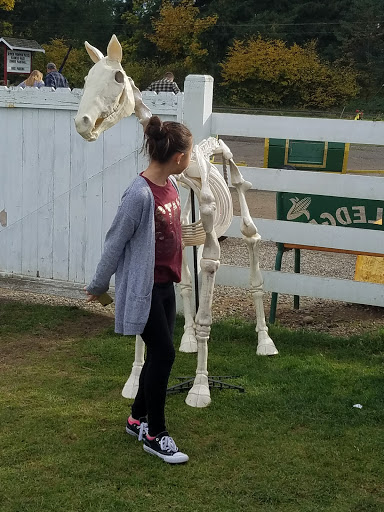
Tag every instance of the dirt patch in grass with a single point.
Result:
(86, 326)
(338, 319)
(17, 346)
(318, 315)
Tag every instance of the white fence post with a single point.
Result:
(198, 96)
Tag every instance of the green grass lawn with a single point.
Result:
(292, 442)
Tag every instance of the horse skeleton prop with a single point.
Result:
(109, 95)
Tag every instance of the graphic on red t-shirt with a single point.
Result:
(168, 248)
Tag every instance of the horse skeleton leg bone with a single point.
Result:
(199, 394)
(265, 345)
(132, 385)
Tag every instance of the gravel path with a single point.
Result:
(236, 301)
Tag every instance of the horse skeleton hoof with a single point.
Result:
(266, 347)
(132, 385)
(188, 342)
(198, 396)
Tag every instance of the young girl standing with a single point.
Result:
(143, 249)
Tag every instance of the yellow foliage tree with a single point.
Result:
(269, 73)
(177, 31)
(6, 29)
(7, 5)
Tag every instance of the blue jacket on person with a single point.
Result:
(55, 79)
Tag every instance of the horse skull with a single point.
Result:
(108, 94)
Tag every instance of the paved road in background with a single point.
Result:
(251, 151)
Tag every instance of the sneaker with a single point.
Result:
(139, 431)
(165, 447)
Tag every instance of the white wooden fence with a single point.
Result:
(316, 183)
(58, 193)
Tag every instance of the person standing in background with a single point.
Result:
(35, 79)
(166, 84)
(54, 78)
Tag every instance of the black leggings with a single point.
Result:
(158, 338)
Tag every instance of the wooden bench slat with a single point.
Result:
(330, 249)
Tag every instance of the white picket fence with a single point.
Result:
(58, 193)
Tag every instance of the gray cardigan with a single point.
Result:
(129, 252)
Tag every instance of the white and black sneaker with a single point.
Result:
(165, 447)
(139, 431)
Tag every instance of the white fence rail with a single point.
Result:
(307, 286)
(299, 128)
(306, 182)
(337, 237)
(311, 183)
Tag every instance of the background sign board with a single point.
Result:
(334, 211)
(306, 155)
(19, 61)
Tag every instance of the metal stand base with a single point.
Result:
(214, 382)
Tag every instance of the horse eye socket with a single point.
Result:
(119, 77)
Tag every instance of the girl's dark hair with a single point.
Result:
(163, 140)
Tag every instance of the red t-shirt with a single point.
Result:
(168, 249)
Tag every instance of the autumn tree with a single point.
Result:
(177, 31)
(7, 5)
(362, 42)
(268, 73)
(296, 21)
(137, 25)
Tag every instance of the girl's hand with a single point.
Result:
(90, 297)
